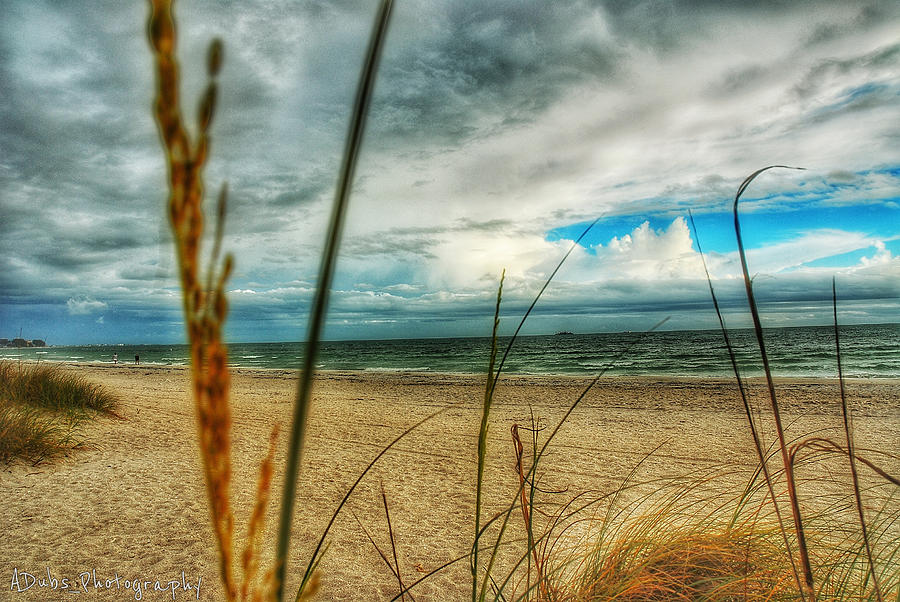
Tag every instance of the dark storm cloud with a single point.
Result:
(489, 122)
(389, 246)
(499, 61)
(418, 241)
(71, 91)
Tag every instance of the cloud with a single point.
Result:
(806, 248)
(492, 124)
(83, 306)
(881, 257)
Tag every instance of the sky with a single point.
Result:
(497, 132)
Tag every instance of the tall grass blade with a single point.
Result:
(848, 433)
(537, 297)
(776, 413)
(323, 286)
(489, 385)
(489, 392)
(757, 443)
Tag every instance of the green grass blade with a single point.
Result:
(536, 298)
(757, 442)
(490, 383)
(323, 287)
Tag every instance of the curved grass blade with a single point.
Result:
(776, 413)
(536, 298)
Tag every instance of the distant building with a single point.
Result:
(19, 343)
(38, 343)
(4, 342)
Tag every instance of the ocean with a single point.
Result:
(867, 351)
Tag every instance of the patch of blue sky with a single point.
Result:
(865, 90)
(892, 171)
(759, 228)
(606, 229)
(857, 95)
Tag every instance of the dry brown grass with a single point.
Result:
(681, 564)
(205, 306)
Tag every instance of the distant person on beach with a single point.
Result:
(115, 358)
(137, 359)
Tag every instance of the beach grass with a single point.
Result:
(691, 537)
(52, 388)
(675, 539)
(41, 409)
(672, 541)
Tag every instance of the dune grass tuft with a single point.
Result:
(687, 564)
(30, 435)
(41, 408)
(52, 388)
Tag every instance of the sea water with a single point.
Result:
(867, 351)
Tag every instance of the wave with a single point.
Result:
(396, 369)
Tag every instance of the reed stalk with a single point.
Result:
(204, 309)
(490, 383)
(527, 503)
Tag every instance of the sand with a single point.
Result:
(131, 505)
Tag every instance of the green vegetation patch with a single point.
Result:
(42, 408)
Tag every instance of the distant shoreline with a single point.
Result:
(264, 372)
(866, 352)
(475, 378)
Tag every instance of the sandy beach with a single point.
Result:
(131, 505)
